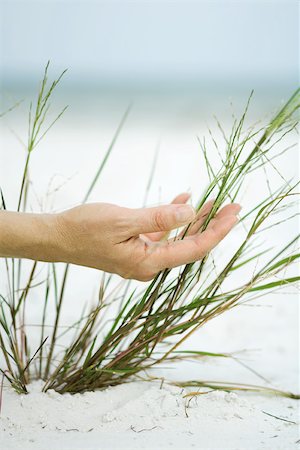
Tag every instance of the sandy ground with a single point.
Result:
(143, 415)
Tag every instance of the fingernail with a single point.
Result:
(185, 213)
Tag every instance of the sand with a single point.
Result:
(145, 416)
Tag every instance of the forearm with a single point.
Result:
(31, 236)
(119, 240)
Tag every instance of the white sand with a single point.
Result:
(140, 415)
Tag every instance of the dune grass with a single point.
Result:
(153, 322)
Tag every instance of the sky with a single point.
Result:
(151, 42)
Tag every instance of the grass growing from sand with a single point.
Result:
(153, 322)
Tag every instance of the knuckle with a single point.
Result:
(159, 221)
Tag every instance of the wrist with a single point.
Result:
(31, 236)
(47, 244)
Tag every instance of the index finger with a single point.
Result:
(192, 248)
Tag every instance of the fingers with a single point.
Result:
(179, 199)
(231, 209)
(162, 218)
(193, 248)
(196, 226)
(199, 220)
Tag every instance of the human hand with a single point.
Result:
(132, 242)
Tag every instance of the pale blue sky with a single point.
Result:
(152, 41)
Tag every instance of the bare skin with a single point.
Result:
(130, 242)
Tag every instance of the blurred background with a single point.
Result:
(179, 63)
(183, 47)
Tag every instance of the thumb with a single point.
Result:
(162, 218)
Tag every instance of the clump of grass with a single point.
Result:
(153, 322)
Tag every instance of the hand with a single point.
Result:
(132, 242)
